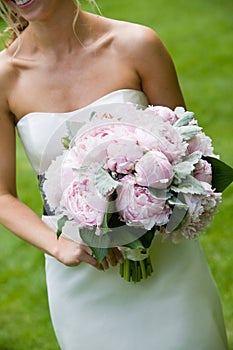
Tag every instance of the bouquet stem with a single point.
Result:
(136, 271)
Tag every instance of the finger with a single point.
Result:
(105, 264)
(118, 255)
(90, 259)
(85, 248)
(111, 258)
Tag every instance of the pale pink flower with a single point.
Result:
(72, 161)
(82, 203)
(154, 170)
(165, 113)
(122, 155)
(52, 184)
(164, 138)
(138, 207)
(93, 144)
(170, 143)
(201, 211)
(146, 138)
(203, 171)
(202, 143)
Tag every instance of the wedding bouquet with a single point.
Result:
(131, 173)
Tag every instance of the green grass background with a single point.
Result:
(199, 36)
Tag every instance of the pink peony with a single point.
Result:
(93, 144)
(72, 160)
(202, 143)
(122, 155)
(201, 211)
(164, 138)
(154, 170)
(52, 184)
(165, 113)
(82, 203)
(146, 138)
(138, 207)
(171, 144)
(203, 171)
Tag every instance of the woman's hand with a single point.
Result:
(71, 253)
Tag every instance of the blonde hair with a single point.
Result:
(16, 24)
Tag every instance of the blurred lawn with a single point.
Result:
(199, 36)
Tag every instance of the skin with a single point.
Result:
(51, 75)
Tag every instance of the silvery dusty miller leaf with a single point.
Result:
(184, 120)
(104, 182)
(194, 157)
(189, 131)
(183, 169)
(189, 185)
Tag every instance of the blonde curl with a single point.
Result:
(16, 24)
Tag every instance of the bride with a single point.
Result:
(62, 61)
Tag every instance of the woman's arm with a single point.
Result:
(156, 70)
(19, 218)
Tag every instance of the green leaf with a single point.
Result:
(110, 211)
(60, 224)
(143, 242)
(222, 174)
(114, 220)
(177, 202)
(147, 238)
(178, 214)
(99, 253)
(126, 236)
(99, 244)
(66, 142)
(137, 244)
(134, 254)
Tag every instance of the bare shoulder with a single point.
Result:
(4, 62)
(6, 68)
(146, 53)
(137, 39)
(7, 74)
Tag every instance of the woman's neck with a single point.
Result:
(59, 35)
(56, 33)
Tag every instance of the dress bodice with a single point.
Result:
(41, 132)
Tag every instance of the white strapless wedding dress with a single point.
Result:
(178, 308)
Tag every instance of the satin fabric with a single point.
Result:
(178, 308)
